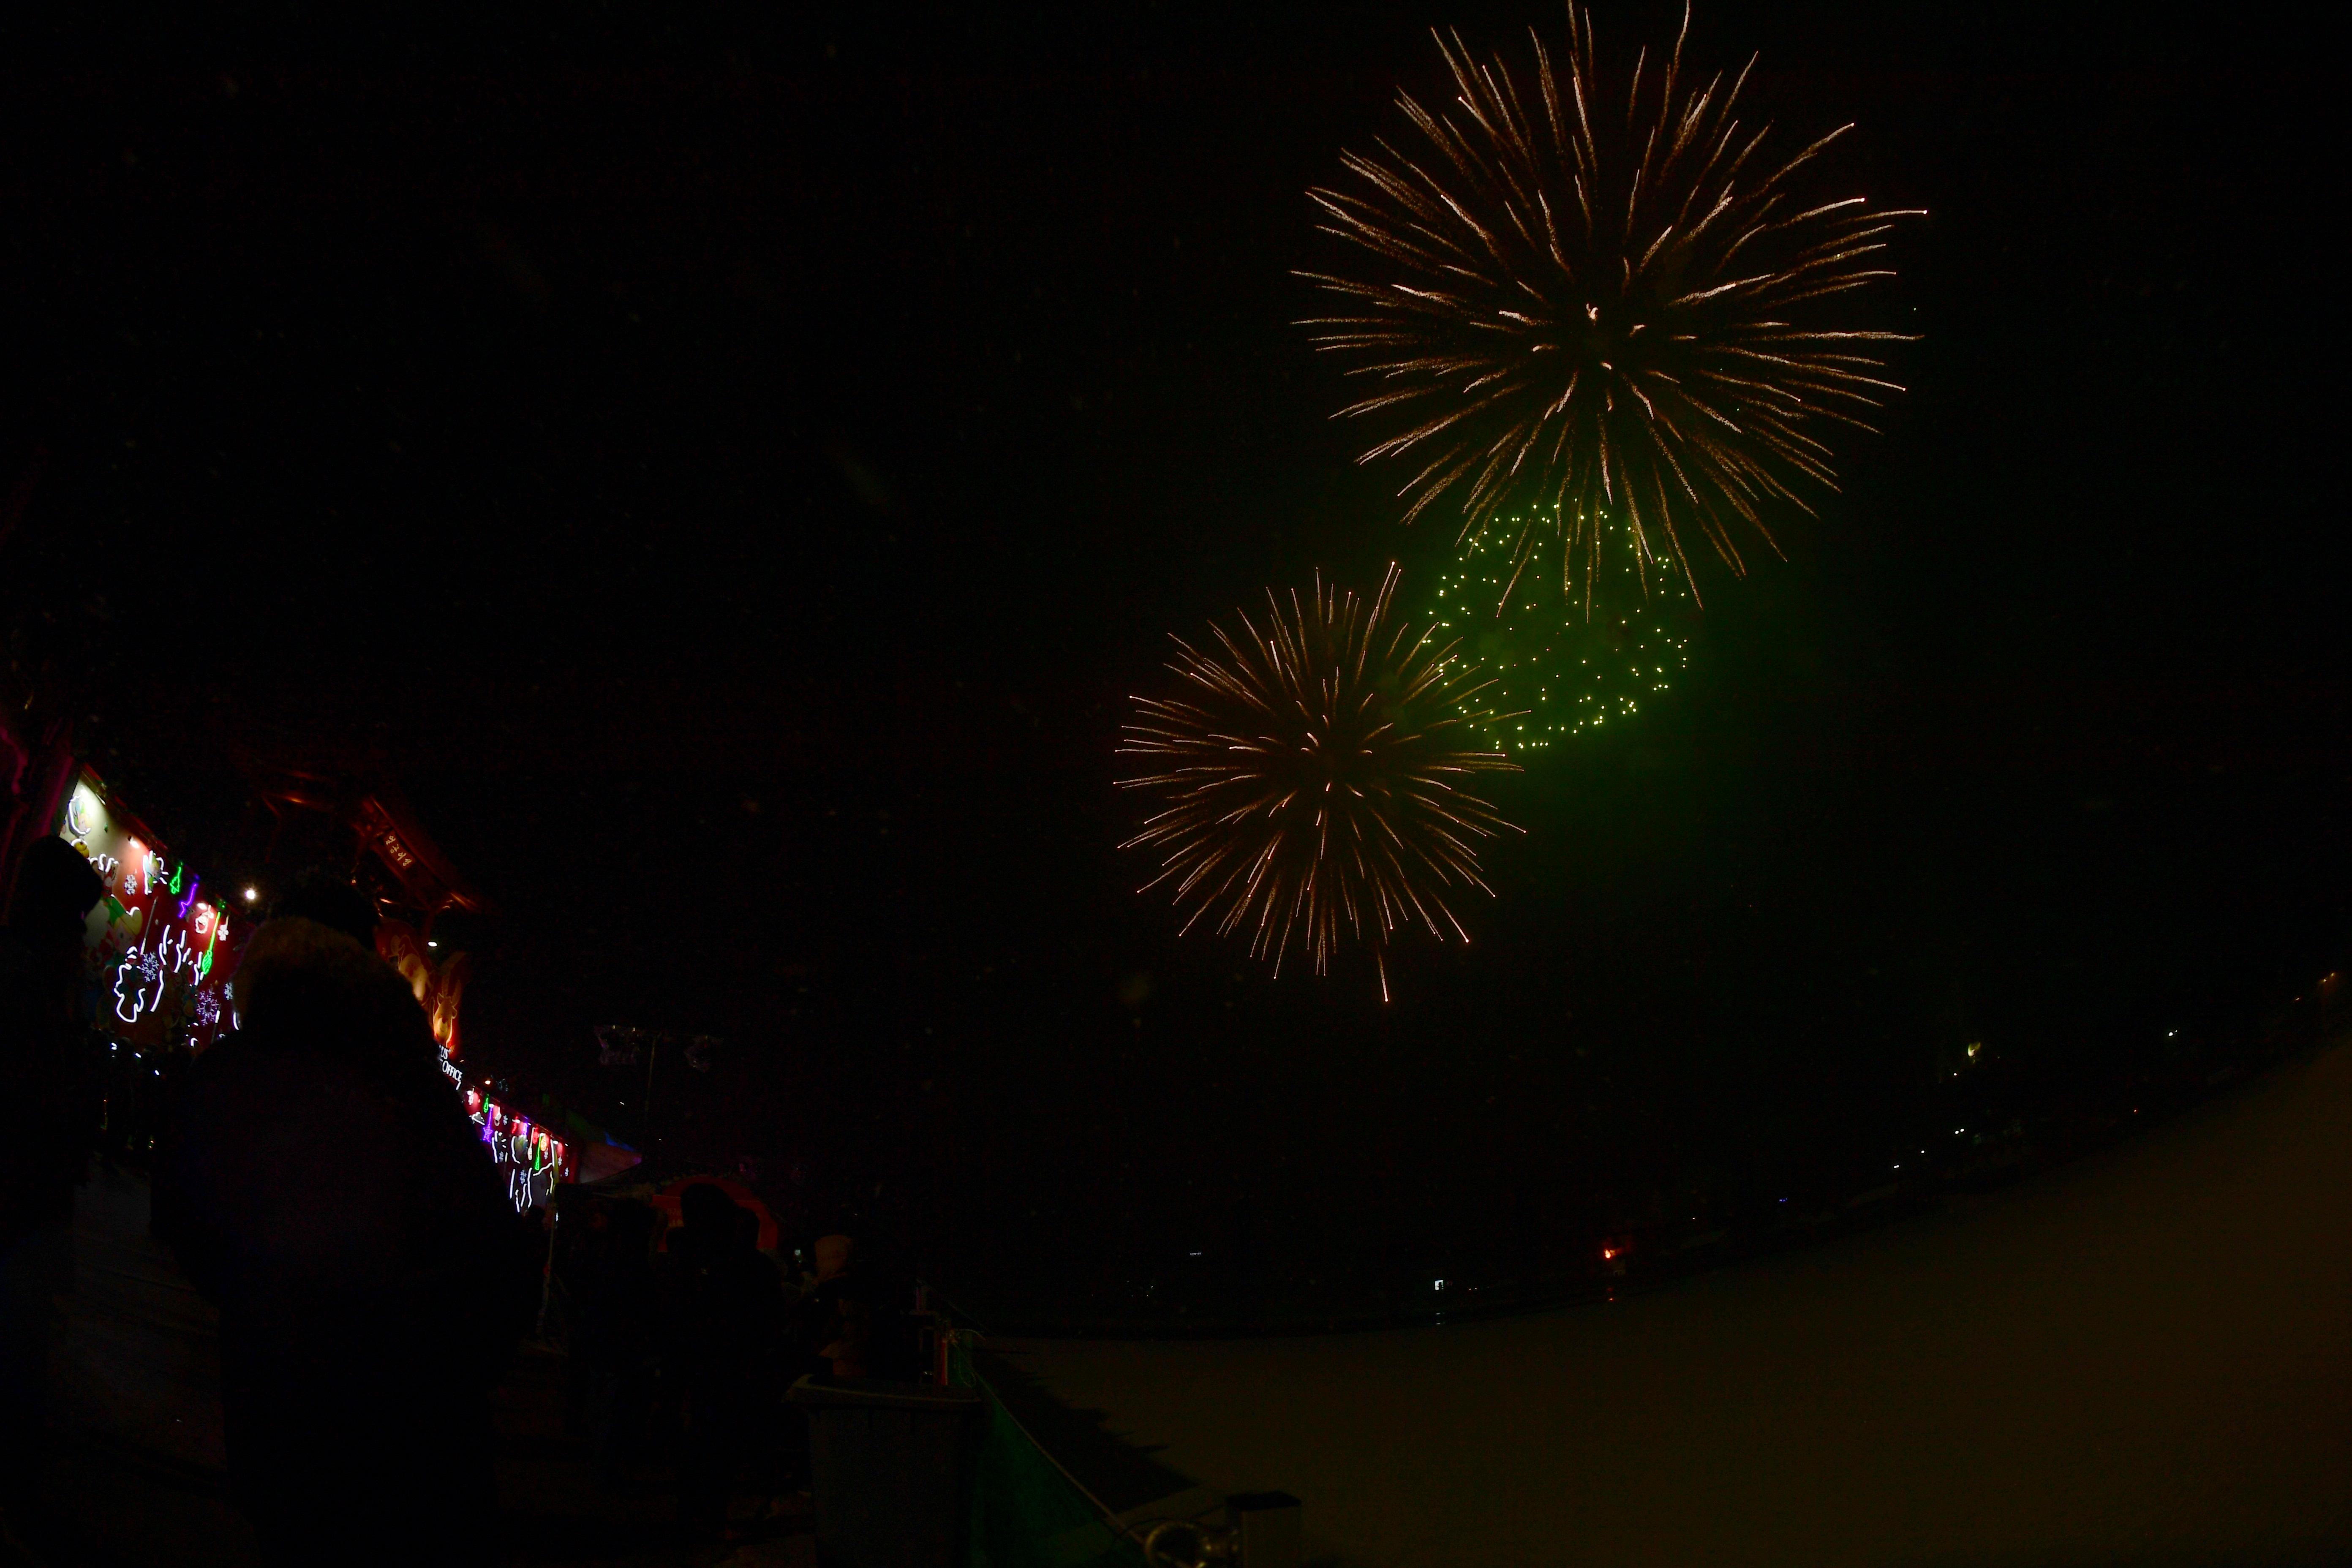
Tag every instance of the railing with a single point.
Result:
(1030, 1509)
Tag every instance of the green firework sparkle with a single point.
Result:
(1557, 673)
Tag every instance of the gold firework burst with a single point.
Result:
(1312, 775)
(1610, 312)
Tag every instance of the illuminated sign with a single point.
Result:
(159, 953)
(388, 842)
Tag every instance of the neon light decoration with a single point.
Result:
(533, 1161)
(143, 971)
(159, 955)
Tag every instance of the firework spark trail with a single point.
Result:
(1603, 317)
(1312, 779)
(1558, 672)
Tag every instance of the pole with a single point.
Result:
(547, 1273)
(652, 1056)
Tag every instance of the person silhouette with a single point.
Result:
(331, 1195)
(724, 1327)
(614, 1345)
(48, 1126)
(833, 1323)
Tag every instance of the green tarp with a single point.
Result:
(1025, 1512)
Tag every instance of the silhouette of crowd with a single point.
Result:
(319, 1180)
(684, 1340)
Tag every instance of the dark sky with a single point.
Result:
(731, 474)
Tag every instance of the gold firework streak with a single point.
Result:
(1312, 772)
(1598, 309)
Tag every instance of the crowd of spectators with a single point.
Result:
(320, 1181)
(683, 1341)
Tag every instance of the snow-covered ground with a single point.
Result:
(2146, 1357)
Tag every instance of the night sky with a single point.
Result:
(731, 477)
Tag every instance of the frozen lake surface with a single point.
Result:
(2145, 1357)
